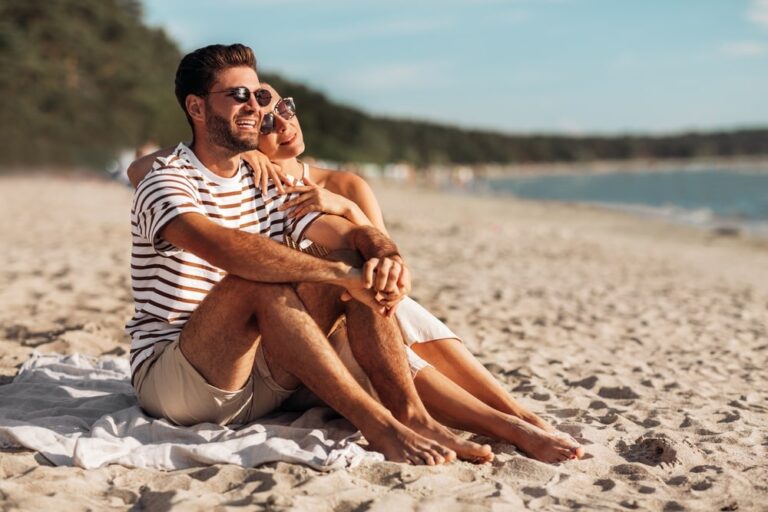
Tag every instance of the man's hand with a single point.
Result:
(355, 288)
(390, 278)
(382, 274)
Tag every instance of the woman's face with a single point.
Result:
(285, 140)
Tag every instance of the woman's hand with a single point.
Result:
(265, 170)
(314, 198)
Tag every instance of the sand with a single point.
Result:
(645, 341)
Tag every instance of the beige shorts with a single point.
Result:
(168, 386)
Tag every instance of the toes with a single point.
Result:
(437, 458)
(448, 454)
(482, 460)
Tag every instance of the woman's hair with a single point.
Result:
(197, 70)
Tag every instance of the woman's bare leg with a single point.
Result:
(451, 405)
(453, 360)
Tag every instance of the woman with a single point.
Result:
(456, 389)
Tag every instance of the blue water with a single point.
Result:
(706, 196)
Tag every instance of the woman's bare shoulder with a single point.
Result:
(334, 179)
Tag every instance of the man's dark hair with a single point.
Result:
(197, 70)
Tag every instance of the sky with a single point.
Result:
(516, 66)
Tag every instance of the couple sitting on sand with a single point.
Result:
(252, 294)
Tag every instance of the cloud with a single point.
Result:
(758, 12)
(744, 49)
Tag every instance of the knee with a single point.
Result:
(314, 292)
(349, 256)
(259, 294)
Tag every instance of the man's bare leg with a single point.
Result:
(452, 359)
(377, 345)
(453, 406)
(222, 335)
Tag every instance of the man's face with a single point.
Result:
(229, 124)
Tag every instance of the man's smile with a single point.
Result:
(248, 124)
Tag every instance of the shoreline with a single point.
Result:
(650, 165)
(701, 219)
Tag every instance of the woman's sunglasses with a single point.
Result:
(285, 108)
(243, 94)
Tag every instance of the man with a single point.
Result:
(229, 322)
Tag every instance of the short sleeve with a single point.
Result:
(296, 228)
(159, 198)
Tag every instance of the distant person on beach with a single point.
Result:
(460, 393)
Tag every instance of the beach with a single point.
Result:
(646, 341)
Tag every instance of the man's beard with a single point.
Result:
(220, 133)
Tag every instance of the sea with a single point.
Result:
(728, 201)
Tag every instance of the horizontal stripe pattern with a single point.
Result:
(168, 283)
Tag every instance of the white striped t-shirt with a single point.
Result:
(169, 283)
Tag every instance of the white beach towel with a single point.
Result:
(82, 411)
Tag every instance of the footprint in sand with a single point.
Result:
(605, 484)
(651, 450)
(729, 416)
(702, 485)
(678, 480)
(706, 467)
(586, 383)
(618, 393)
(535, 492)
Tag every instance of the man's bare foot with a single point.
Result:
(399, 443)
(465, 450)
(544, 445)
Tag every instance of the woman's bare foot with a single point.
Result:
(399, 443)
(538, 422)
(465, 450)
(544, 445)
(513, 408)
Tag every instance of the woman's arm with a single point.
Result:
(263, 169)
(354, 188)
(314, 198)
(140, 167)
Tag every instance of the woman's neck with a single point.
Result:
(291, 166)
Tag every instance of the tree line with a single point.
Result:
(82, 79)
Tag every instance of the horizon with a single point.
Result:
(564, 67)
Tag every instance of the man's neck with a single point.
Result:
(218, 160)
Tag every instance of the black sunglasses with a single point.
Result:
(285, 108)
(243, 94)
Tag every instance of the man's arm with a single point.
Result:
(384, 269)
(252, 256)
(372, 243)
